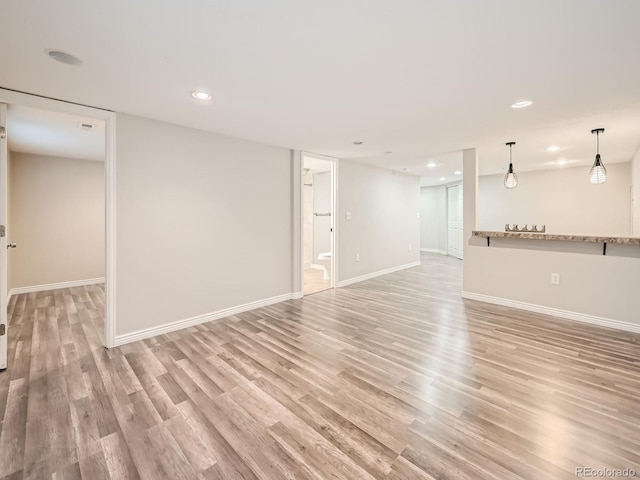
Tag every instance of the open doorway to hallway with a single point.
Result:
(441, 206)
(318, 223)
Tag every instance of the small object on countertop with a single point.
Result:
(525, 228)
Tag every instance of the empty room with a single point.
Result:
(320, 240)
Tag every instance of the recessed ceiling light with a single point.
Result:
(552, 148)
(457, 172)
(405, 169)
(63, 57)
(521, 104)
(201, 95)
(357, 143)
(561, 161)
(431, 164)
(442, 179)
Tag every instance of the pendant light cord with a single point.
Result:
(598, 143)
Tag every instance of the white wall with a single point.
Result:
(593, 287)
(383, 207)
(635, 182)
(204, 223)
(562, 198)
(433, 219)
(56, 216)
(321, 204)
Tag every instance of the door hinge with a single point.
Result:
(3, 132)
(3, 231)
(3, 329)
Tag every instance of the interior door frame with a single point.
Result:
(109, 117)
(4, 294)
(334, 224)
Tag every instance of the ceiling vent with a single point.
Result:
(86, 126)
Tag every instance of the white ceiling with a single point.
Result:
(438, 170)
(419, 78)
(316, 165)
(30, 130)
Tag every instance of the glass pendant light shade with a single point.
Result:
(510, 179)
(598, 174)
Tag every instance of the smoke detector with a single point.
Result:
(87, 126)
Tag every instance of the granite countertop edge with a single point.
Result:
(559, 237)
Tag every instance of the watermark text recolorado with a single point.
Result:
(605, 472)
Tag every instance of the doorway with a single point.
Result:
(40, 180)
(318, 236)
(455, 221)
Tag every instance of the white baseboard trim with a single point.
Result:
(556, 312)
(361, 278)
(297, 295)
(433, 250)
(54, 286)
(207, 317)
(315, 265)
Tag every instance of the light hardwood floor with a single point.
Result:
(395, 377)
(314, 281)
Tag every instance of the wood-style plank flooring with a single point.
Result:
(392, 378)
(314, 282)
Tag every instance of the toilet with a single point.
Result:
(324, 259)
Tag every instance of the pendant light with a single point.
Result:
(510, 179)
(598, 173)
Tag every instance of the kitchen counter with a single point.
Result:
(558, 237)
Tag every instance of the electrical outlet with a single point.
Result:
(347, 215)
(417, 214)
(357, 257)
(555, 279)
(409, 247)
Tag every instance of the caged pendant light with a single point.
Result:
(598, 174)
(510, 179)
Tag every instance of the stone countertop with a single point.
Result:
(558, 237)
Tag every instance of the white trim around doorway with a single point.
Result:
(298, 261)
(35, 101)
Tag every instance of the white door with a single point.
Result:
(454, 221)
(3, 238)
